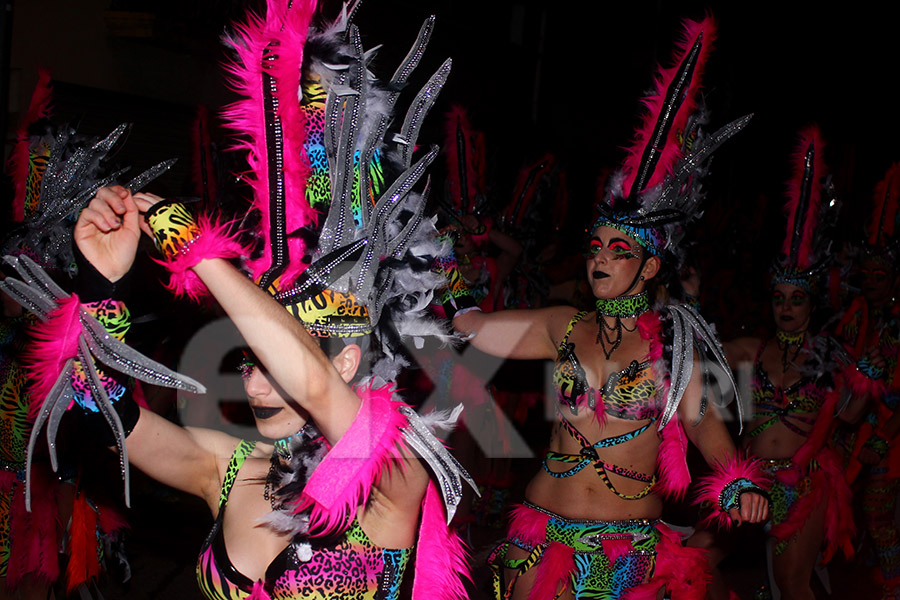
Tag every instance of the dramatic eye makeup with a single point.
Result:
(248, 363)
(621, 249)
(799, 298)
(594, 246)
(777, 297)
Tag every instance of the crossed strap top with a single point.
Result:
(788, 406)
(629, 394)
(325, 575)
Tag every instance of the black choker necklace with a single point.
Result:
(790, 345)
(623, 307)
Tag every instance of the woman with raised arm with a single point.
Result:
(341, 501)
(590, 524)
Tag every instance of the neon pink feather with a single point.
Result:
(810, 136)
(671, 462)
(710, 486)
(613, 549)
(828, 485)
(213, 241)
(441, 558)
(287, 24)
(653, 105)
(528, 525)
(683, 571)
(18, 164)
(55, 342)
(820, 431)
(259, 592)
(553, 571)
(344, 479)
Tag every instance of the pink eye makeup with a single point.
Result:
(799, 299)
(594, 246)
(621, 249)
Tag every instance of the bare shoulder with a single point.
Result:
(217, 443)
(741, 349)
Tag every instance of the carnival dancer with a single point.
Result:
(870, 328)
(590, 526)
(56, 542)
(338, 505)
(802, 382)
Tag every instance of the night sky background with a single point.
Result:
(563, 78)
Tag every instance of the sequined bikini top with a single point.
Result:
(628, 394)
(791, 405)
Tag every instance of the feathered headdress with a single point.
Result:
(810, 196)
(881, 230)
(55, 173)
(657, 188)
(342, 234)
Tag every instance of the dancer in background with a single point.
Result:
(590, 525)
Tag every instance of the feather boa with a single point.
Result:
(710, 486)
(288, 26)
(212, 241)
(55, 341)
(810, 137)
(18, 165)
(653, 105)
(671, 458)
(827, 486)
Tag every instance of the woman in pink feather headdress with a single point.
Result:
(355, 487)
(801, 384)
(628, 395)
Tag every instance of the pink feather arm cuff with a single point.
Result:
(723, 487)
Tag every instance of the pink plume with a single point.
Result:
(441, 558)
(55, 342)
(650, 328)
(820, 431)
(18, 164)
(83, 565)
(671, 461)
(683, 571)
(809, 137)
(553, 571)
(711, 485)
(653, 105)
(528, 525)
(212, 241)
(287, 24)
(884, 208)
(344, 479)
(259, 592)
(615, 548)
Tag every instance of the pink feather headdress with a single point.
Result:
(657, 189)
(809, 198)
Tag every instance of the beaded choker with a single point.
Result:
(623, 307)
(787, 342)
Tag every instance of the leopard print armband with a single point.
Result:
(174, 228)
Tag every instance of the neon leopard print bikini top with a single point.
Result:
(794, 406)
(628, 394)
(345, 566)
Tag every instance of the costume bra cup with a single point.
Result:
(789, 405)
(628, 394)
(320, 576)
